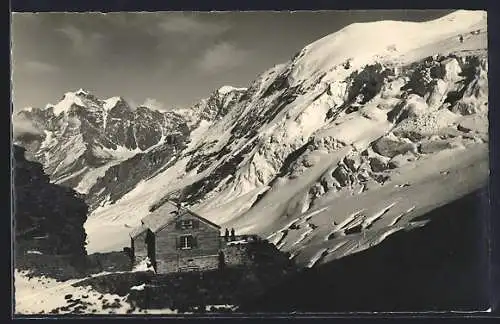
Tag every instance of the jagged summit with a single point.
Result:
(69, 99)
(227, 88)
(81, 92)
(112, 102)
(81, 98)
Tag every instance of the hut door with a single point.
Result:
(150, 243)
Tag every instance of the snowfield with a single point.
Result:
(40, 295)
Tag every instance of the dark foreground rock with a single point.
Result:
(440, 267)
(66, 267)
(198, 291)
(48, 218)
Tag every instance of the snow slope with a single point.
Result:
(339, 147)
(69, 99)
(40, 295)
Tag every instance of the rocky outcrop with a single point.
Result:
(390, 146)
(48, 218)
(412, 107)
(120, 126)
(218, 104)
(121, 178)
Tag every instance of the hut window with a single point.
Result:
(186, 242)
(187, 224)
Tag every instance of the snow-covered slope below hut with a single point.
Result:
(41, 295)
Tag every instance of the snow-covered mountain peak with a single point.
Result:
(227, 88)
(361, 43)
(80, 98)
(69, 99)
(78, 93)
(84, 99)
(82, 136)
(112, 102)
(81, 92)
(28, 109)
(465, 17)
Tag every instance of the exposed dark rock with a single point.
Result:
(420, 77)
(290, 160)
(252, 121)
(279, 83)
(367, 83)
(464, 108)
(187, 291)
(429, 146)
(377, 164)
(390, 148)
(463, 129)
(412, 106)
(121, 178)
(218, 104)
(341, 175)
(364, 85)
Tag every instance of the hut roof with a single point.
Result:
(137, 230)
(164, 215)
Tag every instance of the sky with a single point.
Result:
(163, 59)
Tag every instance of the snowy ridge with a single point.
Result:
(226, 89)
(69, 99)
(111, 102)
(81, 92)
(29, 109)
(361, 43)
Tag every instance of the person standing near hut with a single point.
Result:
(226, 235)
(222, 262)
(233, 237)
